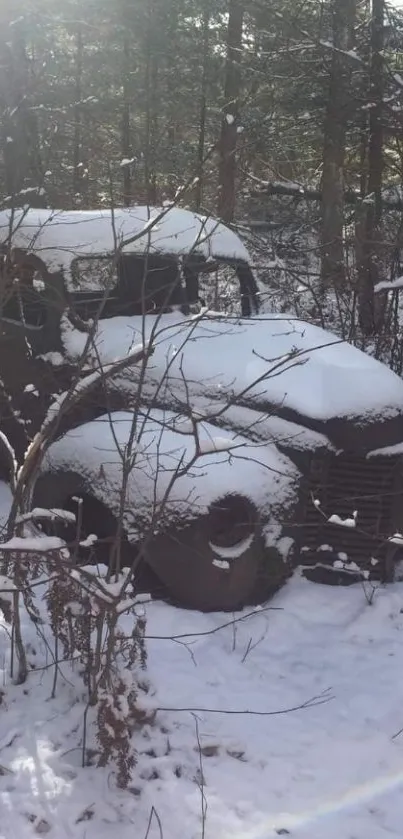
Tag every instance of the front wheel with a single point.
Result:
(218, 562)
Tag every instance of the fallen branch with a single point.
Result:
(293, 190)
(321, 699)
(64, 404)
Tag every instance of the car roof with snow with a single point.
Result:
(58, 237)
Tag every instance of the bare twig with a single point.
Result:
(201, 780)
(322, 699)
(154, 815)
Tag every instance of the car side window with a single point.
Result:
(149, 283)
(93, 274)
(93, 284)
(219, 290)
(135, 284)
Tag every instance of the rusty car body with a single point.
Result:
(298, 436)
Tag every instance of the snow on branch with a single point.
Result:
(88, 383)
(389, 285)
(348, 522)
(396, 539)
(217, 444)
(296, 190)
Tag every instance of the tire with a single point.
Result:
(200, 571)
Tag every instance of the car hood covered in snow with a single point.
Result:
(271, 362)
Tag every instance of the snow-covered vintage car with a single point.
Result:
(129, 261)
(248, 443)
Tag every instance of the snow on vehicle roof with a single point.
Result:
(165, 443)
(59, 236)
(268, 360)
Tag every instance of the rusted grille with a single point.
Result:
(345, 484)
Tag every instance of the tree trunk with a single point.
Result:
(203, 109)
(77, 143)
(13, 93)
(332, 250)
(368, 248)
(228, 138)
(151, 93)
(126, 128)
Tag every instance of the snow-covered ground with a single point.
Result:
(331, 771)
